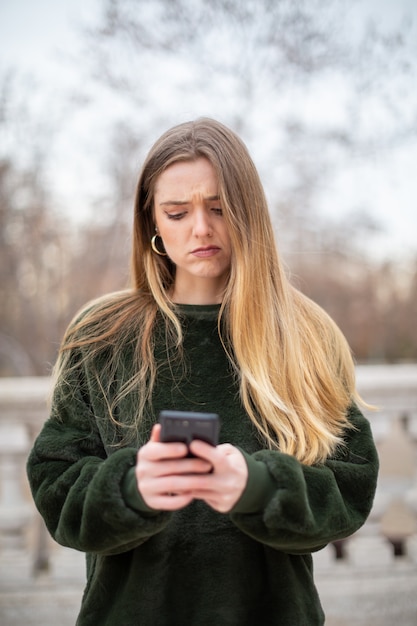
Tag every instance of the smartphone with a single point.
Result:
(184, 426)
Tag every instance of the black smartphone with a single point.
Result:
(184, 426)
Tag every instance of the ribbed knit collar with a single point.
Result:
(199, 311)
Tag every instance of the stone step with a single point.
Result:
(48, 599)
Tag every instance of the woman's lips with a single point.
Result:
(205, 251)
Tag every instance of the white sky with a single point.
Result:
(37, 37)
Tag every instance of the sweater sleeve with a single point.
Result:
(81, 491)
(302, 508)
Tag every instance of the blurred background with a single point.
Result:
(323, 92)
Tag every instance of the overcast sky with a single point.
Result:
(37, 37)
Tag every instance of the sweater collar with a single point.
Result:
(199, 311)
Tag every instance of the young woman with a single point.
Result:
(210, 324)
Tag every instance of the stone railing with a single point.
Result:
(378, 565)
(374, 572)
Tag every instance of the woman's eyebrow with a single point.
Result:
(214, 198)
(174, 202)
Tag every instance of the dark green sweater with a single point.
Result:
(193, 567)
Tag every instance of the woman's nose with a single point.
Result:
(202, 224)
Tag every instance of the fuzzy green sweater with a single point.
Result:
(193, 567)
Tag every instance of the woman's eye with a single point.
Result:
(176, 216)
(217, 210)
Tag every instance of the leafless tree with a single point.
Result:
(258, 66)
(262, 66)
(31, 255)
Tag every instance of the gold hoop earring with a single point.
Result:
(154, 248)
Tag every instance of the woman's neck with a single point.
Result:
(200, 294)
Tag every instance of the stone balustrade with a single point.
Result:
(373, 573)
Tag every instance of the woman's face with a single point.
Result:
(189, 219)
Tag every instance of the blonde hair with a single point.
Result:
(294, 367)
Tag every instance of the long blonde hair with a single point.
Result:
(295, 369)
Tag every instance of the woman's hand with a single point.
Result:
(163, 473)
(168, 480)
(223, 487)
